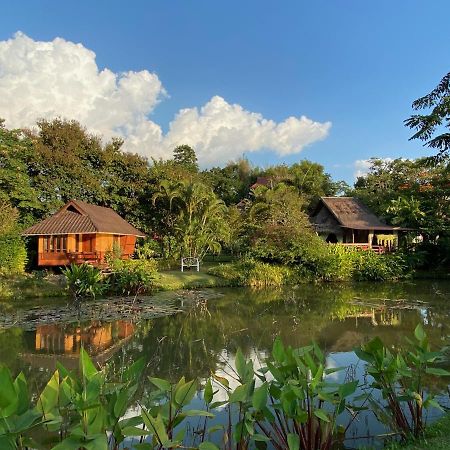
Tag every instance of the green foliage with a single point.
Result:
(372, 267)
(250, 272)
(399, 375)
(196, 215)
(309, 180)
(426, 125)
(290, 402)
(84, 280)
(185, 156)
(13, 256)
(61, 161)
(408, 193)
(134, 276)
(230, 183)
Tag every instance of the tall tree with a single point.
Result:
(16, 185)
(185, 156)
(409, 193)
(199, 216)
(428, 126)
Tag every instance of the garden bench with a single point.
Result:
(190, 262)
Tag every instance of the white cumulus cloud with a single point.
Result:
(362, 166)
(61, 78)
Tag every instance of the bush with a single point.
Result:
(369, 266)
(250, 272)
(134, 276)
(13, 255)
(84, 280)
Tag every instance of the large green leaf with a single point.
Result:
(259, 398)
(208, 393)
(164, 385)
(208, 446)
(48, 400)
(9, 400)
(185, 393)
(293, 441)
(437, 371)
(87, 367)
(322, 415)
(419, 333)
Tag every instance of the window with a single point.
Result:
(54, 244)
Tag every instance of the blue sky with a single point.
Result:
(356, 64)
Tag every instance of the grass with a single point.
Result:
(437, 437)
(31, 286)
(190, 279)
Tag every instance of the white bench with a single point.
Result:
(190, 262)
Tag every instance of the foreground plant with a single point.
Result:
(400, 378)
(289, 404)
(295, 407)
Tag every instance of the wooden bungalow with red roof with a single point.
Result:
(348, 221)
(80, 232)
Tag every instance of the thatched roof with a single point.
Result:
(80, 217)
(351, 212)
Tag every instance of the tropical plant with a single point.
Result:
(199, 216)
(134, 276)
(84, 280)
(399, 375)
(294, 407)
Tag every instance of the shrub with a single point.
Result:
(13, 255)
(134, 276)
(84, 280)
(372, 267)
(251, 272)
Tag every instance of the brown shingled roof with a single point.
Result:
(80, 217)
(352, 213)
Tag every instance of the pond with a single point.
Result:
(198, 337)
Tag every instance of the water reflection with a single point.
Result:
(205, 338)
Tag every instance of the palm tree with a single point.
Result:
(200, 217)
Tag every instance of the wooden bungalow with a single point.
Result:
(80, 232)
(348, 221)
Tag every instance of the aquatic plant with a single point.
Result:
(291, 403)
(399, 375)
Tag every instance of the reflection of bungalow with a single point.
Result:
(348, 221)
(62, 343)
(80, 232)
(97, 337)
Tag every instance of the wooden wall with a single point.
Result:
(93, 246)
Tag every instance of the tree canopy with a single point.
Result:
(433, 128)
(185, 156)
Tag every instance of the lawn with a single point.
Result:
(31, 286)
(189, 279)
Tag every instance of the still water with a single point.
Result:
(204, 338)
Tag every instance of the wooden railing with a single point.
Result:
(375, 248)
